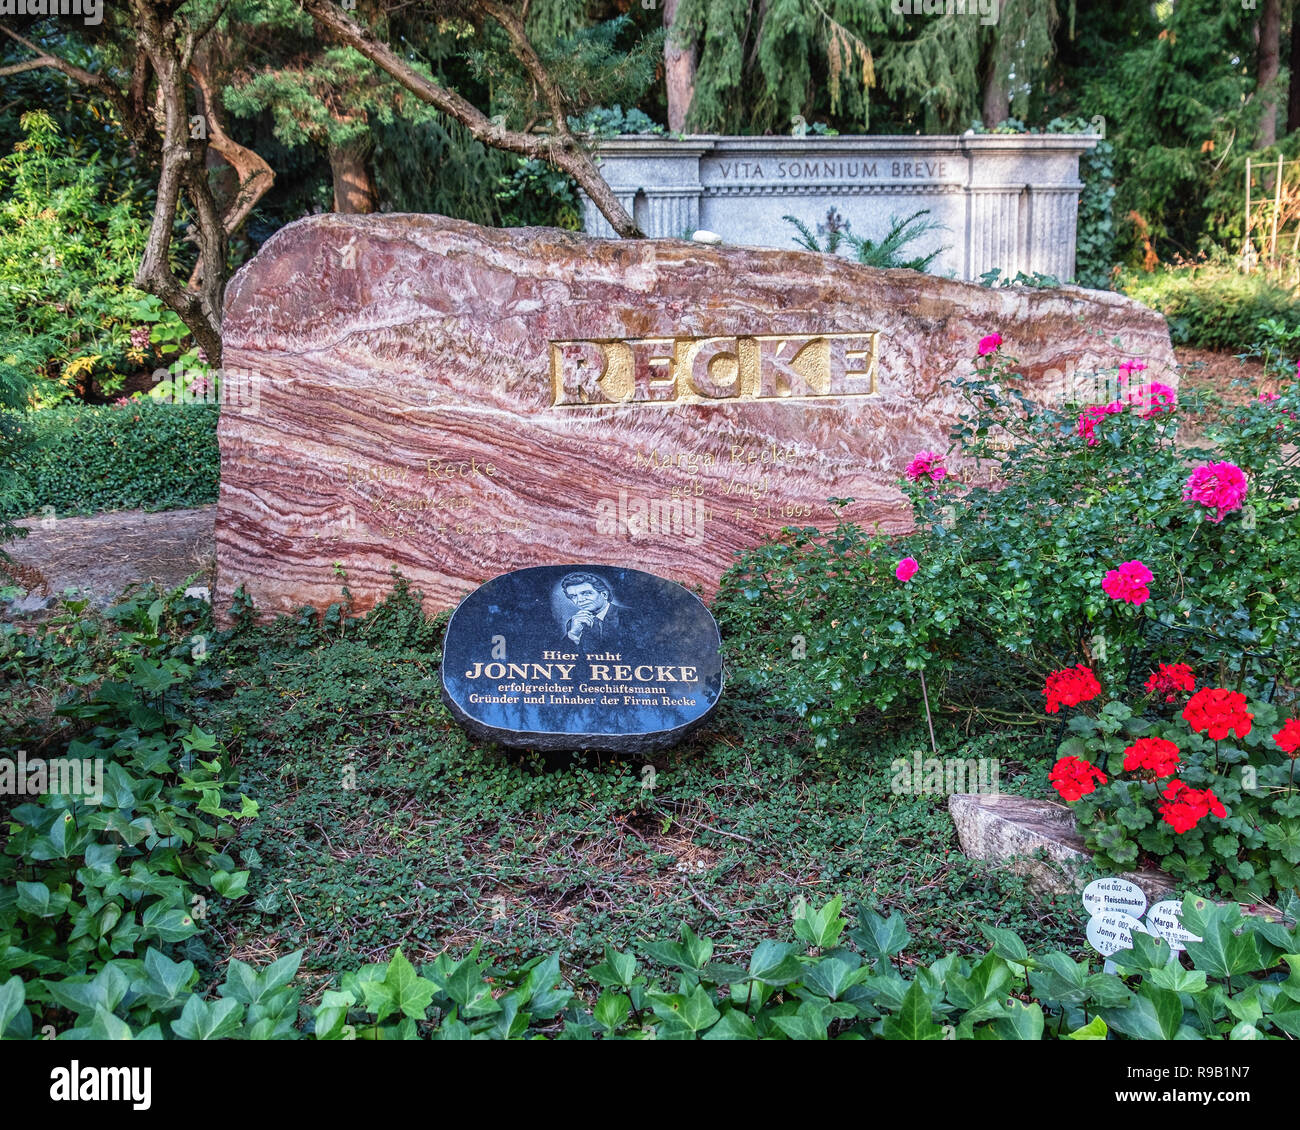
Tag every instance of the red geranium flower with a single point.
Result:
(1288, 737)
(1073, 777)
(1156, 754)
(1185, 808)
(1218, 713)
(1069, 687)
(1170, 680)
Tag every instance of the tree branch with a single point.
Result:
(559, 149)
(195, 36)
(78, 74)
(30, 65)
(255, 176)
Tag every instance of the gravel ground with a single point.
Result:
(103, 554)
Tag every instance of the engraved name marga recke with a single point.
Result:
(700, 370)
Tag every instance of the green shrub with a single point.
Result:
(1095, 244)
(1277, 345)
(1009, 585)
(1212, 307)
(82, 459)
(72, 229)
(888, 252)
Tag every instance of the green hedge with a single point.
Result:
(82, 459)
(1212, 307)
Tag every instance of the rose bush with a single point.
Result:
(1160, 537)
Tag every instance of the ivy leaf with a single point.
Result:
(209, 1020)
(1152, 1014)
(914, 1020)
(774, 963)
(404, 991)
(1221, 953)
(1006, 944)
(231, 886)
(734, 1025)
(1021, 1021)
(167, 924)
(332, 1013)
(880, 938)
(808, 1022)
(616, 969)
(821, 928)
(611, 1010)
(107, 1026)
(832, 976)
(1095, 1029)
(12, 996)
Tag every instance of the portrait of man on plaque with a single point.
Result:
(586, 610)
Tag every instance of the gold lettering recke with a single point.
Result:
(701, 370)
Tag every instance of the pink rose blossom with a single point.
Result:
(1128, 583)
(906, 569)
(1089, 418)
(990, 343)
(926, 465)
(1151, 399)
(1217, 486)
(1128, 368)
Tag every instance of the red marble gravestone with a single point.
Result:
(419, 393)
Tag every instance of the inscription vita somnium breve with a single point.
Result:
(677, 370)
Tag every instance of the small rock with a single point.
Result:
(1013, 828)
(30, 603)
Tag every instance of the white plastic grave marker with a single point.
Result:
(1115, 895)
(1166, 920)
(1116, 907)
(1110, 932)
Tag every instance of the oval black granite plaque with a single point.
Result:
(570, 657)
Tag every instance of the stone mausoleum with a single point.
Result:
(1006, 201)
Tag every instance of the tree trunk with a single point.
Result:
(184, 169)
(1293, 93)
(679, 71)
(354, 187)
(1270, 32)
(158, 121)
(997, 99)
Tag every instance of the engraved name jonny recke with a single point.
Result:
(675, 370)
(654, 673)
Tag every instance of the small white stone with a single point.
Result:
(705, 236)
(200, 591)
